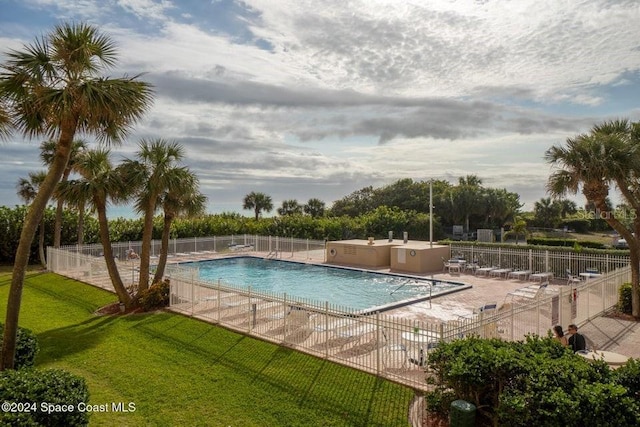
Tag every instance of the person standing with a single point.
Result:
(576, 340)
(559, 335)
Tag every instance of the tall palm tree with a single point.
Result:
(609, 155)
(47, 154)
(290, 207)
(101, 184)
(518, 228)
(153, 173)
(547, 212)
(258, 202)
(315, 208)
(184, 200)
(27, 191)
(77, 194)
(53, 88)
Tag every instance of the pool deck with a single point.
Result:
(612, 334)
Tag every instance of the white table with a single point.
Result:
(421, 341)
(609, 357)
(421, 336)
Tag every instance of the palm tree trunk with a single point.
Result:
(81, 224)
(635, 281)
(57, 225)
(145, 251)
(112, 268)
(34, 216)
(164, 249)
(43, 258)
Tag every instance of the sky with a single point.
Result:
(304, 99)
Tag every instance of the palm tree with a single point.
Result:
(547, 212)
(518, 228)
(53, 88)
(258, 202)
(465, 198)
(290, 207)
(5, 123)
(77, 194)
(47, 154)
(608, 155)
(184, 200)
(101, 183)
(150, 176)
(27, 191)
(315, 208)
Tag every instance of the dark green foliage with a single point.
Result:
(38, 387)
(532, 382)
(157, 296)
(547, 241)
(624, 298)
(26, 347)
(628, 376)
(579, 225)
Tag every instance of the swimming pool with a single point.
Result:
(356, 289)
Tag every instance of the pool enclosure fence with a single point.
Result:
(389, 346)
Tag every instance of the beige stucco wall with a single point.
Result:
(360, 253)
(418, 257)
(395, 255)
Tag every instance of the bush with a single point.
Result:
(532, 382)
(27, 347)
(624, 298)
(157, 296)
(35, 388)
(628, 376)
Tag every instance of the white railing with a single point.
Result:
(378, 343)
(283, 247)
(557, 262)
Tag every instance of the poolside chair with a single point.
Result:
(394, 353)
(529, 292)
(571, 279)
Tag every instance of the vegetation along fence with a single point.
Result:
(379, 343)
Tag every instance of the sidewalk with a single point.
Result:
(617, 335)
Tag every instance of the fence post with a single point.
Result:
(218, 303)
(251, 311)
(326, 329)
(284, 329)
(378, 367)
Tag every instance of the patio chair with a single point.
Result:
(571, 279)
(394, 352)
(529, 292)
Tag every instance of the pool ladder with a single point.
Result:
(272, 255)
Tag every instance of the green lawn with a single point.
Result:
(180, 371)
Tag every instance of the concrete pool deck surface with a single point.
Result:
(607, 333)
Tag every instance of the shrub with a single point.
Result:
(532, 382)
(624, 298)
(35, 388)
(26, 347)
(628, 375)
(157, 296)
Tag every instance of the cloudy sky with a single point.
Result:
(318, 98)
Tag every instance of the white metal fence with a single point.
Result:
(385, 345)
(560, 263)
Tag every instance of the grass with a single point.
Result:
(180, 371)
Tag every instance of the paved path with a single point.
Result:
(613, 334)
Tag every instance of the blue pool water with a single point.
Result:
(356, 289)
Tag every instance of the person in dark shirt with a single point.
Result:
(576, 340)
